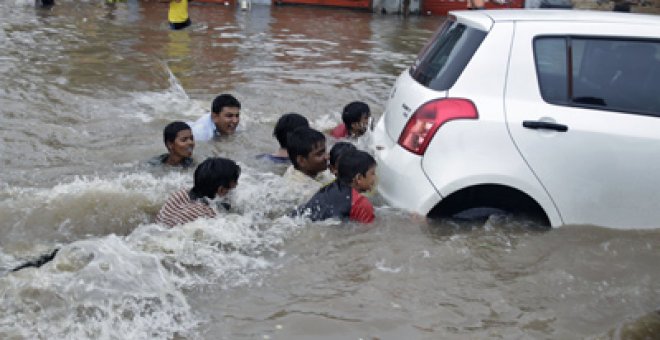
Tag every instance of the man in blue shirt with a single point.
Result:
(221, 121)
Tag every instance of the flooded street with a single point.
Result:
(86, 91)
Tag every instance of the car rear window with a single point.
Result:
(445, 56)
(609, 74)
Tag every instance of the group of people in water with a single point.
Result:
(334, 181)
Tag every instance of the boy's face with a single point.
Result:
(360, 127)
(367, 181)
(226, 121)
(315, 162)
(183, 144)
(223, 191)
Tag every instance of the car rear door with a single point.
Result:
(593, 141)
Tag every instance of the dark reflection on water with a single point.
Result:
(87, 89)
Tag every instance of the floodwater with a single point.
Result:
(88, 87)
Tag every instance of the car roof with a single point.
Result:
(486, 18)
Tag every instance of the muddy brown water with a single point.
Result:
(86, 90)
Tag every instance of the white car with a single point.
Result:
(552, 113)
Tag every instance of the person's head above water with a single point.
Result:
(215, 176)
(307, 151)
(179, 141)
(356, 118)
(357, 169)
(287, 123)
(225, 112)
(335, 152)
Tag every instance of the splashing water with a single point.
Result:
(133, 285)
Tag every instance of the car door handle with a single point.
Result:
(536, 125)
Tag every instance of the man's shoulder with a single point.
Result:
(204, 120)
(157, 160)
(325, 177)
(294, 175)
(181, 194)
(203, 127)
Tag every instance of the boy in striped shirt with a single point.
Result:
(213, 177)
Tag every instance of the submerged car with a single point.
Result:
(550, 113)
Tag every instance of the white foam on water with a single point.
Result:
(84, 206)
(96, 288)
(169, 104)
(380, 265)
(7, 262)
(365, 142)
(175, 104)
(327, 121)
(232, 35)
(24, 3)
(132, 287)
(229, 250)
(267, 194)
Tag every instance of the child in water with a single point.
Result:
(343, 199)
(309, 162)
(355, 117)
(180, 143)
(285, 125)
(213, 177)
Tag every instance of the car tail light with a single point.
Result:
(423, 124)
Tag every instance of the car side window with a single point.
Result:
(610, 74)
(444, 58)
(551, 66)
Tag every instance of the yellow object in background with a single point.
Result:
(178, 11)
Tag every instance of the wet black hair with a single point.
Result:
(287, 123)
(172, 129)
(301, 141)
(213, 173)
(338, 150)
(224, 100)
(354, 162)
(353, 112)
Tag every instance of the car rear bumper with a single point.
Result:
(401, 181)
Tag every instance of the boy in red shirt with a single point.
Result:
(355, 119)
(356, 173)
